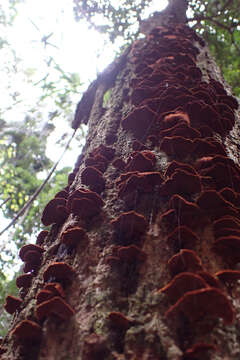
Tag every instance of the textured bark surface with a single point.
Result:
(119, 311)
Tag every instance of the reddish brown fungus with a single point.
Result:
(141, 161)
(119, 164)
(24, 281)
(119, 320)
(84, 203)
(211, 201)
(183, 237)
(54, 306)
(139, 121)
(62, 194)
(41, 237)
(131, 253)
(72, 236)
(59, 271)
(172, 119)
(27, 330)
(181, 283)
(177, 146)
(228, 275)
(181, 182)
(55, 288)
(12, 304)
(228, 247)
(186, 210)
(226, 222)
(43, 295)
(184, 261)
(54, 212)
(143, 182)
(131, 224)
(198, 304)
(209, 279)
(175, 165)
(30, 247)
(93, 178)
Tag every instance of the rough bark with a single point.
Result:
(119, 267)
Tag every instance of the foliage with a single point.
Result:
(218, 21)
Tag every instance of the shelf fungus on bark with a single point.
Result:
(143, 182)
(181, 182)
(73, 236)
(27, 330)
(85, 203)
(139, 121)
(49, 291)
(58, 271)
(184, 261)
(208, 146)
(199, 304)
(131, 253)
(41, 237)
(213, 203)
(93, 178)
(187, 211)
(55, 212)
(228, 276)
(230, 195)
(130, 225)
(119, 320)
(183, 237)
(24, 281)
(210, 279)
(228, 247)
(141, 161)
(54, 306)
(198, 351)
(182, 283)
(177, 146)
(175, 166)
(12, 304)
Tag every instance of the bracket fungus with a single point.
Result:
(27, 330)
(41, 237)
(202, 303)
(214, 203)
(59, 271)
(54, 306)
(73, 236)
(55, 212)
(183, 237)
(93, 178)
(24, 281)
(139, 121)
(185, 260)
(182, 283)
(30, 247)
(177, 146)
(131, 253)
(119, 321)
(181, 182)
(141, 161)
(12, 304)
(84, 203)
(228, 276)
(175, 166)
(142, 182)
(130, 224)
(228, 247)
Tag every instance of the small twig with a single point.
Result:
(5, 201)
(37, 192)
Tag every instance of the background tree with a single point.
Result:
(145, 203)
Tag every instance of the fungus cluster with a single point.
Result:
(186, 118)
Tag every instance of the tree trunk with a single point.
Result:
(155, 268)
